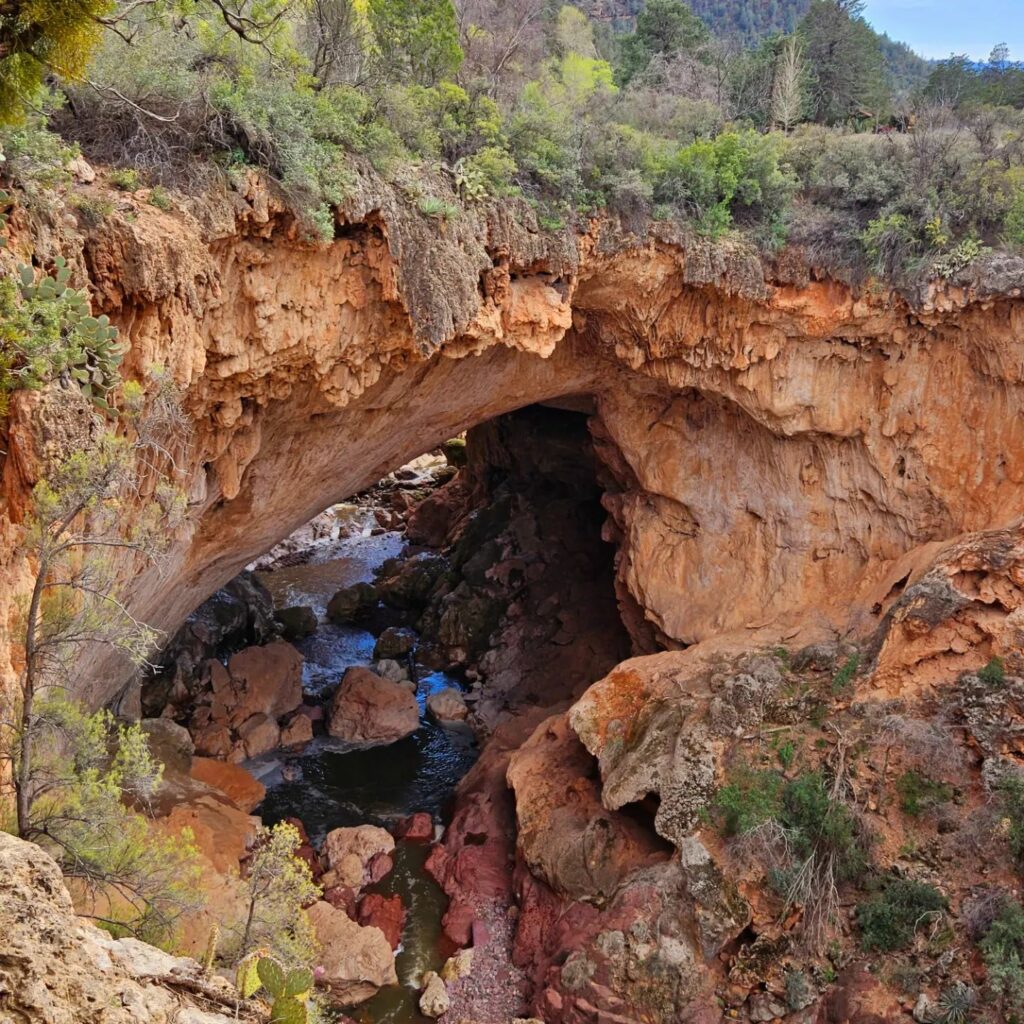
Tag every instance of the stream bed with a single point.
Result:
(328, 786)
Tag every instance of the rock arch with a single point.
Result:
(780, 449)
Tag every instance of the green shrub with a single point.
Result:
(1010, 791)
(919, 793)
(994, 672)
(159, 198)
(844, 676)
(823, 826)
(786, 753)
(890, 919)
(750, 799)
(1002, 949)
(125, 179)
(715, 181)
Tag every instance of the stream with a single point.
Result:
(328, 786)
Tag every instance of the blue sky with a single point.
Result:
(936, 28)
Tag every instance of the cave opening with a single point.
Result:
(469, 589)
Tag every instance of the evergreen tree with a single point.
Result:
(844, 61)
(663, 28)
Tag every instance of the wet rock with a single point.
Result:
(370, 709)
(298, 732)
(418, 828)
(169, 743)
(394, 642)
(385, 913)
(434, 999)
(234, 781)
(378, 868)
(297, 622)
(393, 670)
(458, 966)
(408, 584)
(448, 705)
(352, 603)
(259, 735)
(357, 960)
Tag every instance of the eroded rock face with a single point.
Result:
(57, 969)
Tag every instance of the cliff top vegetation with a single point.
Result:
(830, 138)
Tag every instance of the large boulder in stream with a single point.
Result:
(352, 603)
(357, 960)
(370, 709)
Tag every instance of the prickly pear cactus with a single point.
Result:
(247, 979)
(289, 991)
(97, 367)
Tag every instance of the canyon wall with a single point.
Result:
(781, 454)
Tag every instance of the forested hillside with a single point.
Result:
(750, 20)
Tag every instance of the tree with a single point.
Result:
(415, 40)
(844, 62)
(787, 85)
(664, 28)
(71, 770)
(278, 885)
(39, 38)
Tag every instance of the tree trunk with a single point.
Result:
(23, 776)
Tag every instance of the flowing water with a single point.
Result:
(328, 786)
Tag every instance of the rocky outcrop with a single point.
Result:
(369, 709)
(57, 969)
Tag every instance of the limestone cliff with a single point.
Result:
(780, 451)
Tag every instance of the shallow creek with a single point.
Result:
(328, 786)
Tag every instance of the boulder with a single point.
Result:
(434, 999)
(364, 842)
(394, 642)
(448, 705)
(385, 913)
(410, 583)
(259, 735)
(213, 740)
(370, 709)
(388, 668)
(379, 868)
(417, 828)
(458, 966)
(235, 782)
(169, 743)
(296, 622)
(352, 603)
(342, 898)
(264, 680)
(356, 960)
(298, 732)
